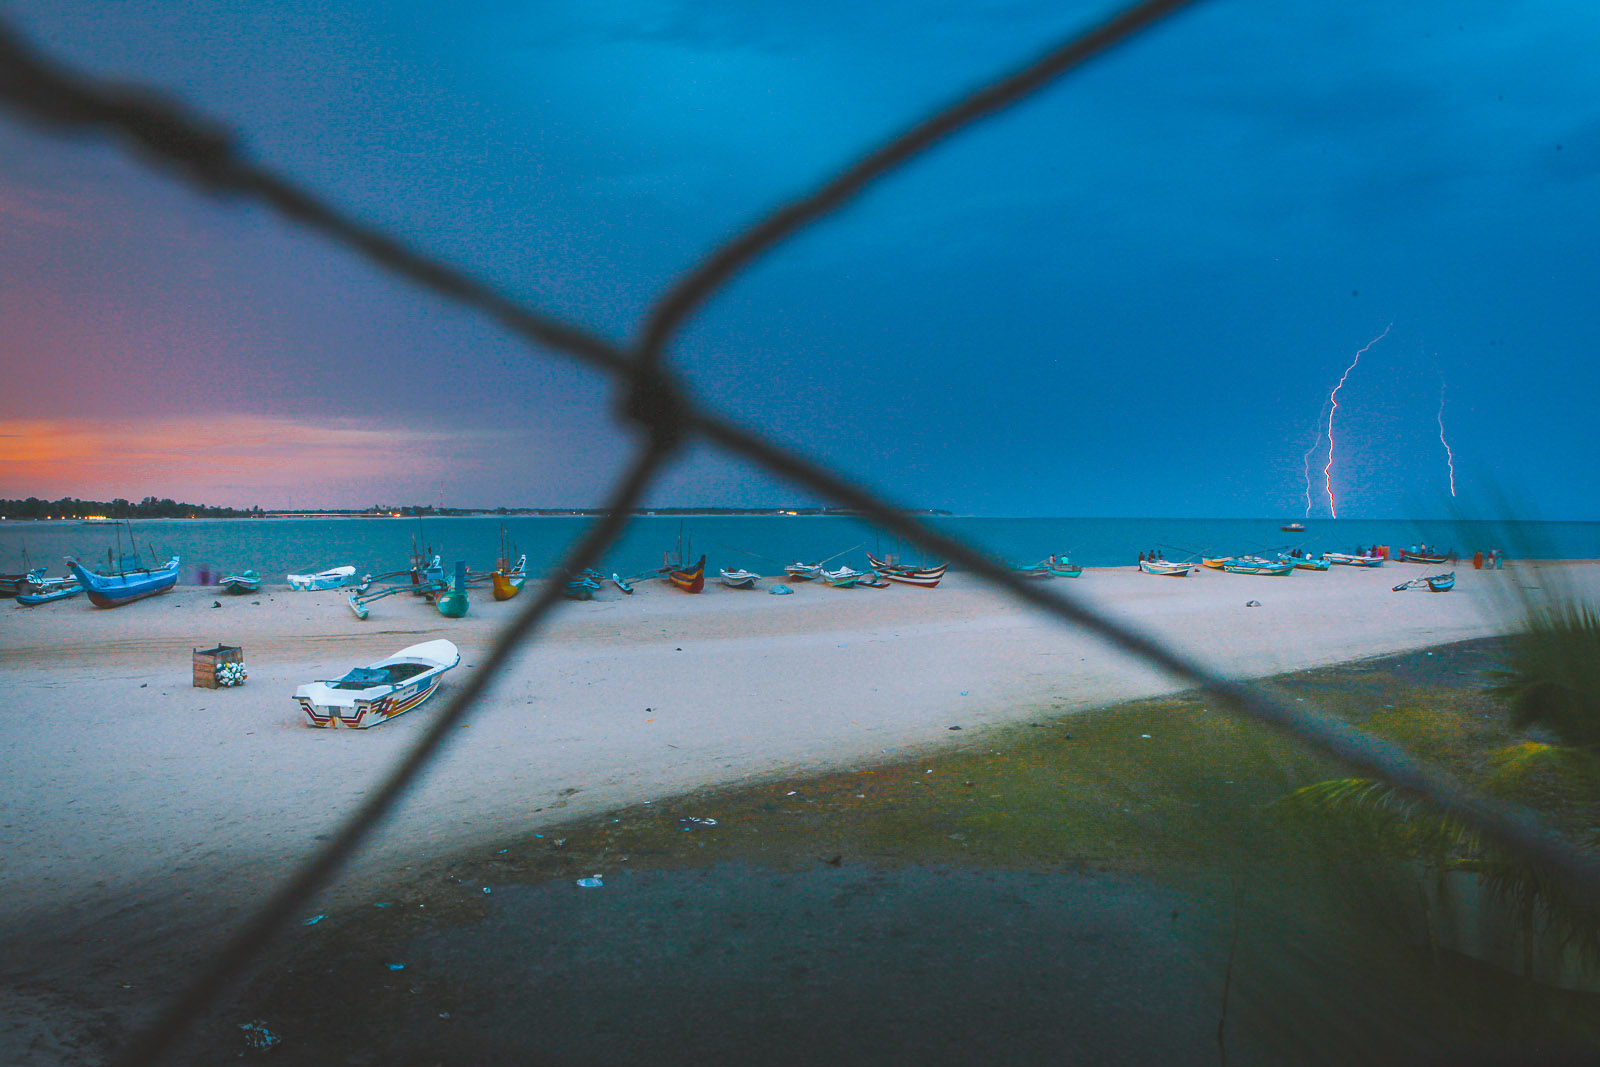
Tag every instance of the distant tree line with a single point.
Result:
(148, 508)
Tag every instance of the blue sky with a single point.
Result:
(1130, 295)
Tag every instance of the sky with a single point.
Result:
(1130, 295)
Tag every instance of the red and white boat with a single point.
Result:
(376, 693)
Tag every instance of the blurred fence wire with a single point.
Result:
(662, 410)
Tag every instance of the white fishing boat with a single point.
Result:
(803, 572)
(738, 579)
(376, 693)
(1171, 570)
(332, 578)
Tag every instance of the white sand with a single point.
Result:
(131, 798)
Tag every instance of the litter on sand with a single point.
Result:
(257, 1036)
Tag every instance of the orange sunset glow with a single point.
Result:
(208, 458)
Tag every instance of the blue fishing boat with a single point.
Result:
(49, 590)
(113, 590)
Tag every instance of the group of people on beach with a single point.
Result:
(1494, 559)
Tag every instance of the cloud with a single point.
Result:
(50, 457)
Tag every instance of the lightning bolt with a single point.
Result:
(1316, 442)
(1333, 400)
(1449, 455)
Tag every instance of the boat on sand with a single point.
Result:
(332, 578)
(113, 590)
(1170, 570)
(239, 584)
(376, 693)
(738, 578)
(902, 572)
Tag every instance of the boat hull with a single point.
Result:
(334, 705)
(111, 591)
(899, 572)
(49, 595)
(505, 586)
(690, 580)
(738, 579)
(1168, 570)
(333, 578)
(1265, 569)
(240, 584)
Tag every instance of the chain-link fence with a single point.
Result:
(656, 403)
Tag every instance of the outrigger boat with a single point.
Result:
(507, 581)
(239, 584)
(1436, 583)
(332, 578)
(803, 572)
(689, 579)
(1423, 557)
(1060, 567)
(738, 578)
(424, 581)
(453, 603)
(376, 693)
(1306, 563)
(1216, 563)
(624, 584)
(583, 587)
(12, 584)
(1345, 559)
(1171, 570)
(124, 587)
(895, 571)
(49, 590)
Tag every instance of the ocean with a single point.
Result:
(761, 543)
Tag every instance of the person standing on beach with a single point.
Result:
(1477, 560)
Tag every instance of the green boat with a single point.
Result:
(239, 584)
(454, 604)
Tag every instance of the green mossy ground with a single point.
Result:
(1169, 793)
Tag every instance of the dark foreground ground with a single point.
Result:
(1106, 888)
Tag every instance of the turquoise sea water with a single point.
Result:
(759, 543)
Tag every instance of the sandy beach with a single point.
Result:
(142, 814)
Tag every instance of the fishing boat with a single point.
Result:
(844, 577)
(239, 584)
(376, 693)
(738, 578)
(1293, 527)
(624, 584)
(803, 572)
(506, 580)
(1434, 583)
(1254, 565)
(1306, 563)
(689, 579)
(49, 590)
(113, 590)
(1170, 570)
(1423, 557)
(453, 604)
(12, 584)
(1345, 559)
(332, 578)
(1215, 563)
(1060, 567)
(900, 572)
(1031, 570)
